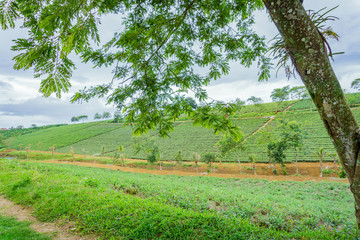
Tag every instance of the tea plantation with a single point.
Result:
(97, 138)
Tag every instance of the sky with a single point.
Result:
(22, 104)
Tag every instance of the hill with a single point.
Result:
(90, 138)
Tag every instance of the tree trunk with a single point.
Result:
(309, 55)
(275, 171)
(254, 169)
(321, 159)
(296, 160)
(239, 164)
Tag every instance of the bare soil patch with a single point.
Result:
(308, 171)
(58, 231)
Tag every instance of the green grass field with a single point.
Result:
(10, 229)
(120, 205)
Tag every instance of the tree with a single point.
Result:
(74, 119)
(356, 84)
(106, 115)
(154, 52)
(254, 100)
(146, 145)
(191, 102)
(82, 117)
(293, 133)
(97, 116)
(333, 156)
(276, 150)
(209, 158)
(298, 93)
(239, 104)
(121, 149)
(320, 154)
(229, 144)
(280, 95)
(252, 158)
(117, 117)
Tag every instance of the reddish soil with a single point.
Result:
(308, 171)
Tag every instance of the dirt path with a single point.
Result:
(310, 171)
(58, 231)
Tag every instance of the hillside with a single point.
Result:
(89, 138)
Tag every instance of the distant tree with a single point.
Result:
(293, 133)
(239, 104)
(209, 159)
(82, 117)
(252, 158)
(280, 95)
(229, 144)
(33, 125)
(196, 158)
(266, 136)
(106, 115)
(121, 149)
(97, 116)
(298, 93)
(257, 103)
(74, 119)
(147, 145)
(334, 157)
(20, 127)
(191, 102)
(320, 154)
(254, 100)
(277, 151)
(356, 84)
(178, 158)
(117, 117)
(102, 150)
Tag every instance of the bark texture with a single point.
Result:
(309, 55)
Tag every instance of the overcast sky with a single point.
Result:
(22, 104)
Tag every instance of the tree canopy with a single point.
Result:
(153, 56)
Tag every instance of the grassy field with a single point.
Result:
(10, 229)
(119, 205)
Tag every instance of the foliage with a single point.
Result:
(147, 145)
(254, 100)
(280, 94)
(356, 84)
(277, 149)
(209, 158)
(151, 55)
(97, 116)
(299, 93)
(106, 115)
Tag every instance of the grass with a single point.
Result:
(117, 204)
(10, 229)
